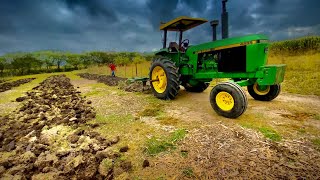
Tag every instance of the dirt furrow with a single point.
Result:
(9, 85)
(108, 80)
(122, 83)
(48, 136)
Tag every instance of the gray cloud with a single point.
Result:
(133, 25)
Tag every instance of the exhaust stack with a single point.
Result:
(214, 25)
(224, 20)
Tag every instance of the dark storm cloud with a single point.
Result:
(133, 25)
(161, 12)
(93, 7)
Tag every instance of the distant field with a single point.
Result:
(302, 73)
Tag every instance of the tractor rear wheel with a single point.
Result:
(200, 87)
(164, 78)
(228, 99)
(266, 93)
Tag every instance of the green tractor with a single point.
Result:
(241, 59)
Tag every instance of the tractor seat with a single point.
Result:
(175, 47)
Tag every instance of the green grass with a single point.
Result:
(316, 142)
(188, 172)
(270, 133)
(302, 73)
(158, 145)
(262, 127)
(151, 110)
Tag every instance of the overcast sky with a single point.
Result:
(133, 25)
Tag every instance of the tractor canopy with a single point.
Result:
(182, 23)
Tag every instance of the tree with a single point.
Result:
(73, 60)
(137, 60)
(85, 60)
(2, 65)
(122, 60)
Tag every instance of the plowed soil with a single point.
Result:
(122, 83)
(9, 85)
(47, 137)
(3, 80)
(108, 80)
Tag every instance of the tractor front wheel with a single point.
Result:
(264, 93)
(164, 78)
(228, 99)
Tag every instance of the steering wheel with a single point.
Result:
(184, 43)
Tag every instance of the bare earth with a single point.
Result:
(214, 147)
(221, 148)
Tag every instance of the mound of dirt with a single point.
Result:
(46, 137)
(118, 81)
(135, 87)
(9, 85)
(224, 153)
(108, 80)
(3, 80)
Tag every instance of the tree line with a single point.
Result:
(56, 61)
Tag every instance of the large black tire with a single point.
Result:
(200, 87)
(269, 94)
(167, 86)
(228, 99)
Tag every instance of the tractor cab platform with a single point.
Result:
(180, 25)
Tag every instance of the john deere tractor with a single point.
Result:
(241, 59)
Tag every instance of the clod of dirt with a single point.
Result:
(126, 166)
(1, 136)
(79, 132)
(63, 153)
(135, 87)
(2, 169)
(73, 138)
(73, 119)
(11, 146)
(89, 102)
(145, 163)
(115, 140)
(106, 153)
(28, 157)
(20, 99)
(93, 125)
(106, 167)
(124, 149)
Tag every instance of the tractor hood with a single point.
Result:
(228, 43)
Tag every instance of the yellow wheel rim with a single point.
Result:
(225, 101)
(159, 79)
(260, 91)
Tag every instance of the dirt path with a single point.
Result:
(217, 147)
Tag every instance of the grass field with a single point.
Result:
(155, 130)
